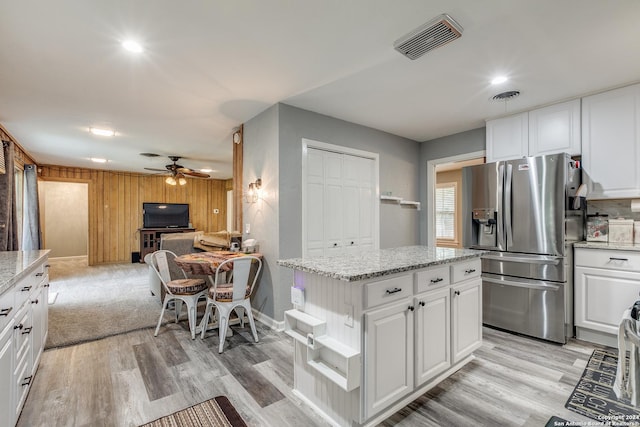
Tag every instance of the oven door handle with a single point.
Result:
(537, 286)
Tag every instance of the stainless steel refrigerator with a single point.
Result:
(524, 212)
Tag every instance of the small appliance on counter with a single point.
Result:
(597, 227)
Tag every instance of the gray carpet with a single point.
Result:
(97, 302)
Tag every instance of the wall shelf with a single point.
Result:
(410, 203)
(400, 200)
(336, 361)
(298, 325)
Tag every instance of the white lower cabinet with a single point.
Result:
(433, 332)
(607, 282)
(23, 324)
(388, 355)
(466, 303)
(410, 342)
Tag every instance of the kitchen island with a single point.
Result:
(375, 331)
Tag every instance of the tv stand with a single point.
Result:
(150, 238)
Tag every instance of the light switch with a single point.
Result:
(247, 228)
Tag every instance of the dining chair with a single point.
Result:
(184, 290)
(230, 292)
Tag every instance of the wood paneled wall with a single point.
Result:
(115, 206)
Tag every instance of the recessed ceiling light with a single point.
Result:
(102, 132)
(499, 79)
(98, 160)
(132, 46)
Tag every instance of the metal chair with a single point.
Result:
(184, 290)
(227, 297)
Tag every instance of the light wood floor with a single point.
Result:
(133, 378)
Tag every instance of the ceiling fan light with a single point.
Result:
(182, 180)
(170, 180)
(102, 132)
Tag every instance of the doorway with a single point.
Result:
(444, 196)
(64, 207)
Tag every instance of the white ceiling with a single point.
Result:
(209, 66)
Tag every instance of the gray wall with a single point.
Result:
(453, 145)
(260, 160)
(399, 173)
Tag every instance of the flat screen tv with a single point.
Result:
(165, 215)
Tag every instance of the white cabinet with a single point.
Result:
(611, 143)
(433, 334)
(466, 310)
(388, 355)
(555, 129)
(507, 138)
(607, 282)
(23, 330)
(7, 404)
(415, 339)
(546, 130)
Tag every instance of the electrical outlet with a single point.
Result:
(348, 315)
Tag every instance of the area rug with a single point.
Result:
(99, 301)
(593, 396)
(216, 412)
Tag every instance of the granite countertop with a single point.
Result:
(607, 245)
(14, 265)
(376, 263)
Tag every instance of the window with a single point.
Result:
(446, 211)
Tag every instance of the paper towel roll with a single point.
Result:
(635, 205)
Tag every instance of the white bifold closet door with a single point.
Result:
(339, 203)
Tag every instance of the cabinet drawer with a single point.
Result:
(608, 259)
(465, 270)
(388, 290)
(7, 308)
(432, 278)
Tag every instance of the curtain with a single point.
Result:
(8, 225)
(31, 237)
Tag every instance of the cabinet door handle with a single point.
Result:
(469, 271)
(394, 290)
(39, 274)
(18, 326)
(335, 244)
(618, 259)
(456, 292)
(411, 308)
(47, 266)
(421, 303)
(437, 280)
(5, 311)
(46, 285)
(34, 302)
(27, 331)
(27, 380)
(352, 243)
(25, 288)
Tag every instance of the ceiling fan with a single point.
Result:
(178, 173)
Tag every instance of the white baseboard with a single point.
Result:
(268, 321)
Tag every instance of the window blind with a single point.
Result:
(446, 211)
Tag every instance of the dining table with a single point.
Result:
(206, 264)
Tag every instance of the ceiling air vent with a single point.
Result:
(506, 96)
(435, 33)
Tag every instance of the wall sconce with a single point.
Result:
(254, 192)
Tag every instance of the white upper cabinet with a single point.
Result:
(547, 130)
(507, 137)
(555, 129)
(611, 143)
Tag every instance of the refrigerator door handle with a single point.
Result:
(507, 206)
(529, 260)
(528, 285)
(500, 243)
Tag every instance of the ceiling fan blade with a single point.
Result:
(195, 174)
(156, 170)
